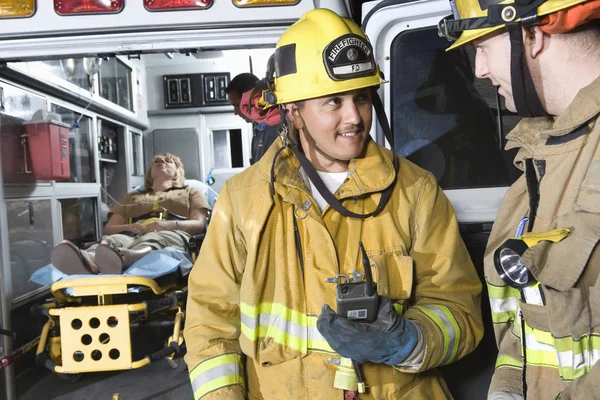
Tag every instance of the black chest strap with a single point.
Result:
(332, 200)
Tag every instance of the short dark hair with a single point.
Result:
(242, 83)
(585, 39)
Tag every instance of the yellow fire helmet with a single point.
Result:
(473, 19)
(322, 53)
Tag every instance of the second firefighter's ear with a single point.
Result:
(534, 40)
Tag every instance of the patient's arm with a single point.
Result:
(197, 218)
(197, 222)
(195, 225)
(117, 223)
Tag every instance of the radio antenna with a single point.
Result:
(367, 267)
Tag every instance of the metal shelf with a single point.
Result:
(192, 110)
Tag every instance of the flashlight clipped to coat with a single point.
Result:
(511, 268)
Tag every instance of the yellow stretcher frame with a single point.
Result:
(97, 337)
(102, 285)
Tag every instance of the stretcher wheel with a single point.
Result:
(68, 378)
(177, 364)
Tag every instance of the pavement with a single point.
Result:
(155, 381)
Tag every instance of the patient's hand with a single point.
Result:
(160, 226)
(138, 229)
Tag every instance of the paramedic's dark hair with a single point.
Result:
(242, 83)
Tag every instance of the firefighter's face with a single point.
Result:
(235, 99)
(492, 62)
(333, 129)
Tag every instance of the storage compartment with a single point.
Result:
(47, 144)
(17, 108)
(13, 154)
(112, 152)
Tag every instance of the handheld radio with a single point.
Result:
(358, 300)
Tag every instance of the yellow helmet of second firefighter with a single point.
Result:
(472, 14)
(321, 54)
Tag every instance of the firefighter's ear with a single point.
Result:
(294, 115)
(535, 40)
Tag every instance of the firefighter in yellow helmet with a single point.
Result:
(324, 207)
(542, 263)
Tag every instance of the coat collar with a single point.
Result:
(530, 133)
(371, 172)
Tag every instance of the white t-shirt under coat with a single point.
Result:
(332, 180)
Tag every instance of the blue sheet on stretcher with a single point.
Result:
(156, 264)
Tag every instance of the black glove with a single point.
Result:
(388, 340)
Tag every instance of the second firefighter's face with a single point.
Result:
(492, 61)
(333, 129)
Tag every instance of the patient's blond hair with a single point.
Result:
(178, 179)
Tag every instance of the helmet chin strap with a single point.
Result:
(527, 100)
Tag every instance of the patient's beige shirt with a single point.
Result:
(180, 201)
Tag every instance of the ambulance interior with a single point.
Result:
(164, 100)
(118, 111)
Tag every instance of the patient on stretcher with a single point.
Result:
(165, 214)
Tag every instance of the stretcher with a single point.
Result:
(98, 322)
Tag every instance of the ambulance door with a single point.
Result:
(449, 122)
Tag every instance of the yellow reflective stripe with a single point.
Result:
(439, 323)
(570, 374)
(584, 343)
(216, 373)
(501, 292)
(399, 307)
(504, 360)
(539, 348)
(504, 303)
(320, 346)
(443, 317)
(286, 326)
(573, 358)
(546, 358)
(217, 384)
(540, 336)
(274, 308)
(283, 338)
(503, 317)
(504, 310)
(316, 341)
(214, 362)
(454, 324)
